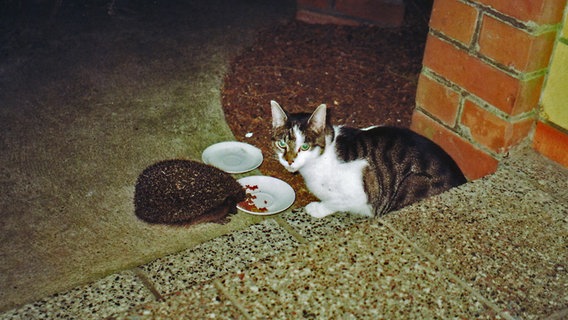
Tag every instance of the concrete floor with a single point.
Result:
(493, 248)
(88, 100)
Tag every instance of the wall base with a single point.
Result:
(551, 142)
(385, 13)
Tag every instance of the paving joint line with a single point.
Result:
(148, 284)
(235, 301)
(290, 229)
(447, 272)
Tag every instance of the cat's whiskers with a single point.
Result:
(367, 171)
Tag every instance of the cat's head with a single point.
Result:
(298, 137)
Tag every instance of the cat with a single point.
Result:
(369, 171)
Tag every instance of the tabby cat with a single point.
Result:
(364, 171)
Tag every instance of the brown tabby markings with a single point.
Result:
(400, 167)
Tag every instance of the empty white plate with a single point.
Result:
(266, 195)
(232, 156)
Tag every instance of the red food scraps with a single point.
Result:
(248, 203)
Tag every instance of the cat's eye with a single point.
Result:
(281, 144)
(305, 147)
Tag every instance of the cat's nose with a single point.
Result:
(289, 159)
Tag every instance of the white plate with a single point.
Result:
(270, 193)
(232, 156)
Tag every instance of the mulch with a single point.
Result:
(366, 75)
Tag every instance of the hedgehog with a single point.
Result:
(186, 192)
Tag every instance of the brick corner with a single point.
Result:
(474, 162)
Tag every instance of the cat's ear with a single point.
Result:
(317, 121)
(279, 116)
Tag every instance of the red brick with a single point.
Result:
(491, 131)
(485, 128)
(438, 100)
(473, 162)
(519, 131)
(318, 4)
(319, 18)
(552, 143)
(446, 13)
(379, 12)
(527, 96)
(513, 47)
(539, 11)
(499, 89)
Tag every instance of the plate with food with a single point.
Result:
(233, 156)
(266, 195)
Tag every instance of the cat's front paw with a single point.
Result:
(318, 210)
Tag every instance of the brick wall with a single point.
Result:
(484, 66)
(351, 12)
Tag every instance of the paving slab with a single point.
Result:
(504, 235)
(364, 271)
(224, 254)
(114, 293)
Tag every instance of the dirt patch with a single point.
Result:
(366, 75)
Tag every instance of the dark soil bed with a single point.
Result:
(366, 76)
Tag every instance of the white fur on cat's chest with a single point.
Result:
(339, 185)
